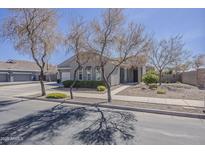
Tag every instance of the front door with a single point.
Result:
(122, 73)
(135, 75)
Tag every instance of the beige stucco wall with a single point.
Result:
(196, 78)
(189, 78)
(71, 66)
(201, 77)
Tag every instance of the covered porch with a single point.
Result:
(132, 75)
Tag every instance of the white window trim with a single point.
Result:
(90, 72)
(79, 74)
(96, 74)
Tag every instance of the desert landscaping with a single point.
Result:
(172, 90)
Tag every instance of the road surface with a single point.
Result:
(42, 122)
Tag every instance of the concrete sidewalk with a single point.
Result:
(183, 102)
(168, 101)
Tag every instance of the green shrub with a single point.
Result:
(83, 84)
(153, 86)
(152, 71)
(161, 91)
(150, 77)
(101, 88)
(56, 95)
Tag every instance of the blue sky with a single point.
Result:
(162, 23)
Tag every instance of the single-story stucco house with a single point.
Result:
(19, 70)
(128, 72)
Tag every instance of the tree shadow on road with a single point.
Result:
(9, 102)
(45, 122)
(104, 126)
(107, 126)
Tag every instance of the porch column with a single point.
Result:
(125, 75)
(143, 70)
(139, 69)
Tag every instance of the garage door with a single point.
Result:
(65, 76)
(22, 77)
(3, 77)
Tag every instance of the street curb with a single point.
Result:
(14, 84)
(154, 111)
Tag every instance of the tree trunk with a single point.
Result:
(160, 78)
(109, 97)
(71, 89)
(43, 90)
(72, 85)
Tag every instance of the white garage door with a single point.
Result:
(3, 77)
(22, 77)
(65, 76)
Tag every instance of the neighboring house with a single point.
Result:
(128, 72)
(19, 70)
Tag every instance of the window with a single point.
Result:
(89, 72)
(97, 73)
(80, 74)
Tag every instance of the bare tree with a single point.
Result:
(183, 62)
(75, 41)
(33, 32)
(183, 66)
(199, 61)
(165, 53)
(116, 42)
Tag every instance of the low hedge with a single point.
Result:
(101, 88)
(83, 84)
(57, 95)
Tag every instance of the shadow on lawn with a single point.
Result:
(45, 125)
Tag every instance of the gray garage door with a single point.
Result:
(3, 77)
(22, 77)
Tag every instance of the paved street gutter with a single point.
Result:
(122, 107)
(16, 83)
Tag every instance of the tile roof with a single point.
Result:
(22, 65)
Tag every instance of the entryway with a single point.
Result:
(135, 75)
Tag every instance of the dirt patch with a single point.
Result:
(174, 90)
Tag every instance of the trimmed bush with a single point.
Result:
(101, 88)
(83, 84)
(57, 95)
(161, 91)
(150, 77)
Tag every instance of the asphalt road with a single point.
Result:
(41, 122)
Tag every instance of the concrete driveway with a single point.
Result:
(24, 89)
(43, 122)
